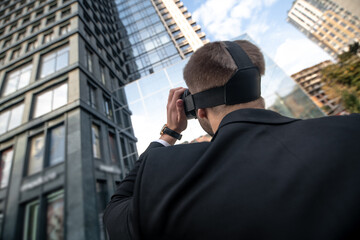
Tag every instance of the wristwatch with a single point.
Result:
(168, 131)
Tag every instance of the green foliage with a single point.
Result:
(342, 80)
(351, 101)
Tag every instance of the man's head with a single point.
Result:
(212, 66)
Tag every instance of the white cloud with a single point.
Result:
(224, 19)
(297, 54)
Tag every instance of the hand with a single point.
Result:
(176, 118)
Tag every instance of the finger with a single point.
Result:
(180, 110)
(177, 94)
(171, 93)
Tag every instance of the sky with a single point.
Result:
(265, 22)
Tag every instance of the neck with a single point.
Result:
(216, 114)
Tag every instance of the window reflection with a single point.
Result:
(57, 145)
(54, 61)
(11, 118)
(55, 217)
(5, 167)
(113, 148)
(51, 100)
(95, 141)
(17, 79)
(36, 157)
(31, 220)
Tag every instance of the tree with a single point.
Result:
(342, 80)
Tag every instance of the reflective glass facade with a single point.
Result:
(149, 42)
(147, 98)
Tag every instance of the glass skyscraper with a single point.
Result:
(160, 33)
(147, 98)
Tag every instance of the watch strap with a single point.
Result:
(172, 133)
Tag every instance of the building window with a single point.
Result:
(17, 79)
(5, 167)
(50, 20)
(55, 61)
(102, 73)
(11, 118)
(7, 42)
(92, 96)
(55, 150)
(66, 12)
(64, 29)
(15, 53)
(113, 148)
(31, 220)
(55, 216)
(88, 58)
(350, 29)
(52, 5)
(30, 7)
(108, 108)
(57, 145)
(39, 12)
(36, 157)
(18, 13)
(21, 35)
(51, 100)
(95, 141)
(32, 45)
(35, 27)
(2, 59)
(102, 200)
(124, 155)
(25, 20)
(48, 37)
(12, 27)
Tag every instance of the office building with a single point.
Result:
(332, 24)
(309, 80)
(160, 33)
(65, 136)
(147, 98)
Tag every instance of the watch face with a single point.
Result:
(162, 130)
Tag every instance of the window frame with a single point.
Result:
(56, 52)
(21, 69)
(51, 89)
(11, 148)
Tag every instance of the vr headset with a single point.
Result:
(243, 86)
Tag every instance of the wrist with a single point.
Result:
(169, 135)
(169, 139)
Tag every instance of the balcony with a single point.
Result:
(183, 43)
(196, 27)
(179, 35)
(202, 34)
(186, 51)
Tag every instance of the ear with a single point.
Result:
(201, 113)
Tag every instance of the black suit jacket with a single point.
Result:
(263, 176)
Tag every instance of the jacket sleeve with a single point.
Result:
(118, 214)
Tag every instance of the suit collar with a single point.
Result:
(253, 115)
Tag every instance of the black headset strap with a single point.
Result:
(242, 87)
(239, 56)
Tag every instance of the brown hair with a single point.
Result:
(212, 65)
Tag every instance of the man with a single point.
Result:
(263, 175)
